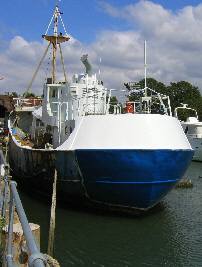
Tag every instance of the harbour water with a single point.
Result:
(168, 235)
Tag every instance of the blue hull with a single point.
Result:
(121, 179)
(131, 178)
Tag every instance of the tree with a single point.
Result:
(114, 103)
(14, 94)
(159, 87)
(26, 94)
(178, 92)
(153, 84)
(184, 92)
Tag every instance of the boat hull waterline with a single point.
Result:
(115, 177)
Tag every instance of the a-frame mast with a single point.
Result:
(55, 39)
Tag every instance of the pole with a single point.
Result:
(145, 69)
(63, 65)
(52, 219)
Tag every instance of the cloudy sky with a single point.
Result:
(113, 30)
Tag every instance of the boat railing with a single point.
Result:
(80, 106)
(100, 103)
(145, 104)
(36, 259)
(185, 107)
(26, 102)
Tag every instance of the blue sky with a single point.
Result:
(172, 30)
(83, 19)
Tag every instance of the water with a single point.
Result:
(168, 235)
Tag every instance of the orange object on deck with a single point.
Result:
(129, 107)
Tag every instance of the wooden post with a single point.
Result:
(52, 219)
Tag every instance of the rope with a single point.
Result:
(52, 219)
(22, 121)
(51, 262)
(50, 23)
(48, 64)
(150, 104)
(63, 63)
(38, 67)
(63, 24)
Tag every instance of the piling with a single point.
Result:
(52, 219)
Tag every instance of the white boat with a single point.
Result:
(125, 162)
(193, 130)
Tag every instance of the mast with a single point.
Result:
(56, 39)
(145, 69)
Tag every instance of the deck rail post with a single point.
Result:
(36, 258)
(9, 255)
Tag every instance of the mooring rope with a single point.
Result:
(51, 262)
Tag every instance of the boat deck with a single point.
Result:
(34, 143)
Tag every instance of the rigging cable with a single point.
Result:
(49, 59)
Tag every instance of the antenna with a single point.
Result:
(56, 2)
(145, 68)
(100, 59)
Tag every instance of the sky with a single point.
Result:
(111, 32)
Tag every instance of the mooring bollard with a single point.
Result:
(20, 251)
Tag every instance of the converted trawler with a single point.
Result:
(104, 158)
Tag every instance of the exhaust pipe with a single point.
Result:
(87, 64)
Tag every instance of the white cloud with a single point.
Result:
(174, 50)
(173, 40)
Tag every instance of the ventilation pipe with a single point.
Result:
(87, 64)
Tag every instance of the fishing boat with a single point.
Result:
(104, 157)
(193, 130)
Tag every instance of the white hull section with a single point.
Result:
(196, 144)
(131, 131)
(193, 129)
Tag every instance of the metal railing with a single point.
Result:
(36, 259)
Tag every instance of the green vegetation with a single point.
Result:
(184, 184)
(178, 92)
(114, 104)
(26, 94)
(14, 94)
